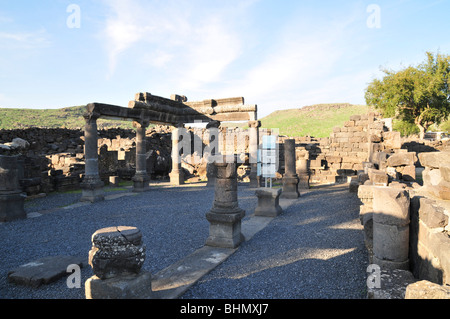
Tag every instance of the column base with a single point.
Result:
(92, 190)
(303, 181)
(122, 287)
(290, 187)
(12, 206)
(177, 177)
(140, 183)
(268, 202)
(225, 229)
(254, 180)
(391, 264)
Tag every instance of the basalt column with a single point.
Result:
(11, 196)
(213, 147)
(176, 175)
(391, 220)
(303, 173)
(141, 178)
(225, 215)
(92, 186)
(290, 178)
(253, 152)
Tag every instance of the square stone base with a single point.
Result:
(225, 229)
(122, 287)
(176, 178)
(12, 207)
(140, 183)
(268, 202)
(92, 193)
(290, 187)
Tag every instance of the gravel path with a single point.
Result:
(314, 249)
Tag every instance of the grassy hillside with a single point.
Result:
(68, 117)
(315, 120)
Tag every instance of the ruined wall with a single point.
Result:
(333, 159)
(53, 159)
(430, 213)
(428, 239)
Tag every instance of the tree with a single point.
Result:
(419, 95)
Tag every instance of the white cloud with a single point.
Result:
(197, 44)
(24, 40)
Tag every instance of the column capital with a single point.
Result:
(141, 124)
(213, 124)
(254, 124)
(178, 125)
(91, 116)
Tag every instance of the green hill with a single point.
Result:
(314, 120)
(68, 117)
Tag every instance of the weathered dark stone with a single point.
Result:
(225, 215)
(43, 271)
(11, 197)
(268, 202)
(133, 286)
(116, 251)
(393, 284)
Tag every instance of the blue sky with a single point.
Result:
(276, 54)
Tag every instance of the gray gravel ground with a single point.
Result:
(314, 249)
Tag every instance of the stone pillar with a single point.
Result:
(176, 175)
(290, 178)
(92, 185)
(253, 152)
(303, 173)
(211, 170)
(268, 202)
(391, 228)
(141, 178)
(11, 196)
(225, 215)
(116, 258)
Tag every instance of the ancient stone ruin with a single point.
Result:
(403, 185)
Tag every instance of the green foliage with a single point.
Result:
(419, 95)
(405, 128)
(315, 120)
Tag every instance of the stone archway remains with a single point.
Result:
(147, 108)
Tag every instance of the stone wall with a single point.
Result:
(430, 213)
(53, 159)
(333, 159)
(426, 242)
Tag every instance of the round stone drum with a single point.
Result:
(116, 251)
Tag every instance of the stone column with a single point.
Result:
(225, 215)
(176, 175)
(116, 258)
(290, 178)
(253, 152)
(213, 133)
(303, 173)
(11, 196)
(391, 228)
(92, 185)
(141, 178)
